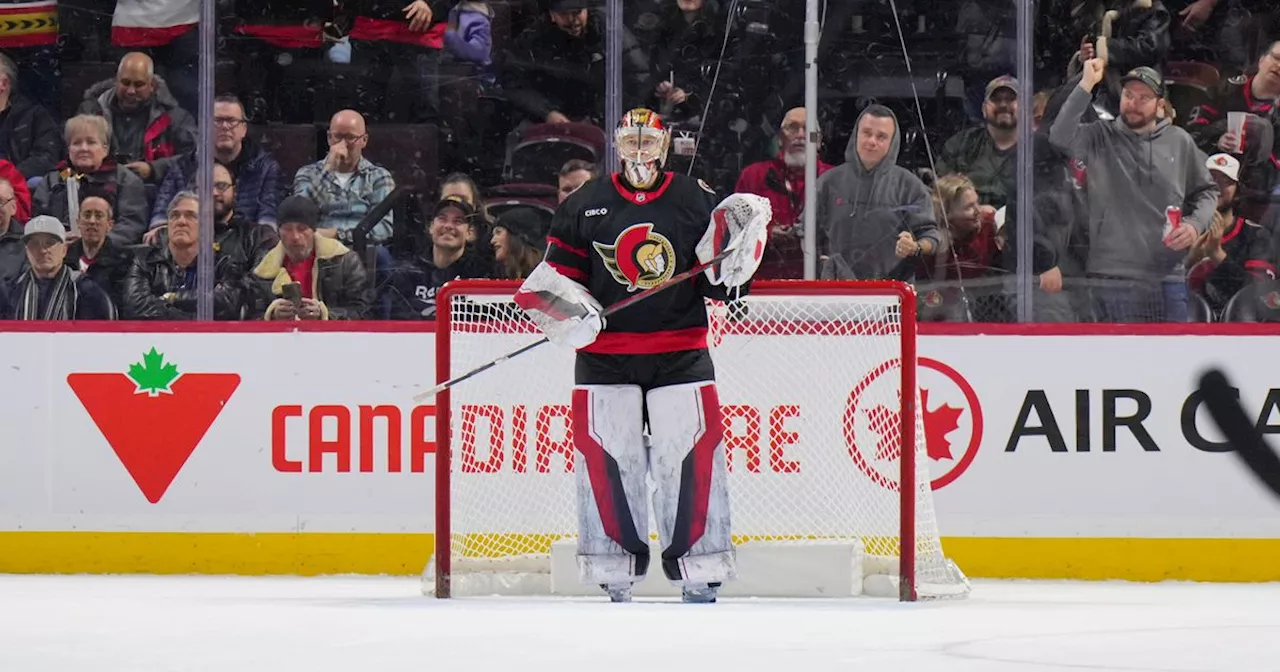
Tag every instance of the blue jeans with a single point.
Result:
(1136, 301)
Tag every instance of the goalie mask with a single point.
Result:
(642, 142)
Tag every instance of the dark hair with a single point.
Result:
(574, 165)
(230, 172)
(232, 99)
(879, 111)
(463, 178)
(98, 192)
(521, 259)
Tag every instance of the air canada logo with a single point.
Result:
(639, 258)
(950, 430)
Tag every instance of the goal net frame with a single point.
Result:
(908, 475)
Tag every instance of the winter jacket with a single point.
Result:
(33, 137)
(90, 302)
(156, 289)
(1139, 36)
(410, 292)
(123, 184)
(470, 36)
(109, 269)
(169, 135)
(974, 154)
(547, 70)
(784, 187)
(248, 242)
(258, 185)
(13, 253)
(338, 281)
(861, 212)
(1260, 169)
(1132, 179)
(686, 50)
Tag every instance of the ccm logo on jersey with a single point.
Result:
(639, 258)
(596, 212)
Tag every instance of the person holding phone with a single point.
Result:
(309, 277)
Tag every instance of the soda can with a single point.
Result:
(1172, 219)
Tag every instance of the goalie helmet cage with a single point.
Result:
(822, 446)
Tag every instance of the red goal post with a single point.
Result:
(787, 346)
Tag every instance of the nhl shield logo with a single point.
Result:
(639, 258)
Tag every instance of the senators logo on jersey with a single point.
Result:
(639, 258)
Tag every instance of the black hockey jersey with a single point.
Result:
(616, 241)
(1209, 122)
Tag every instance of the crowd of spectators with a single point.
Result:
(1156, 193)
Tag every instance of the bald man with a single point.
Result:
(345, 184)
(781, 180)
(149, 132)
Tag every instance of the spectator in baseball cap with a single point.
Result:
(519, 241)
(49, 289)
(410, 291)
(987, 154)
(1234, 251)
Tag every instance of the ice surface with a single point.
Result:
(383, 625)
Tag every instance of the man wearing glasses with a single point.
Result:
(256, 173)
(345, 184)
(94, 253)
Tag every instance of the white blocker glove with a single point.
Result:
(563, 309)
(740, 224)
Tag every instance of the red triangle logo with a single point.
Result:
(153, 434)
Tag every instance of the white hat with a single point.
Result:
(45, 224)
(1226, 164)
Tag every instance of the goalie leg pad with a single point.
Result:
(610, 464)
(691, 502)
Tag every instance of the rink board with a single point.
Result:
(1072, 452)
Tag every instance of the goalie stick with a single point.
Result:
(1224, 405)
(621, 305)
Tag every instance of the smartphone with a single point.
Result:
(293, 292)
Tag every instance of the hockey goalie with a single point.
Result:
(644, 403)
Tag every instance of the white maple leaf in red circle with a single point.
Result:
(938, 423)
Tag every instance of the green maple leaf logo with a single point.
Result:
(152, 375)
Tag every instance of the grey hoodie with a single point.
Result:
(1131, 180)
(160, 123)
(861, 212)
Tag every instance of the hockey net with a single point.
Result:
(809, 376)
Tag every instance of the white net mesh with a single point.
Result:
(809, 380)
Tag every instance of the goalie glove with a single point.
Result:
(740, 224)
(563, 309)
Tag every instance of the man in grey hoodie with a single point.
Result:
(1138, 165)
(874, 217)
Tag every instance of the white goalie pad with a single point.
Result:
(741, 224)
(563, 309)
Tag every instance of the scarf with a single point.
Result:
(62, 298)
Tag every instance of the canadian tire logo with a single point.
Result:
(154, 416)
(951, 422)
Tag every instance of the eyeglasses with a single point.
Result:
(227, 122)
(347, 137)
(222, 186)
